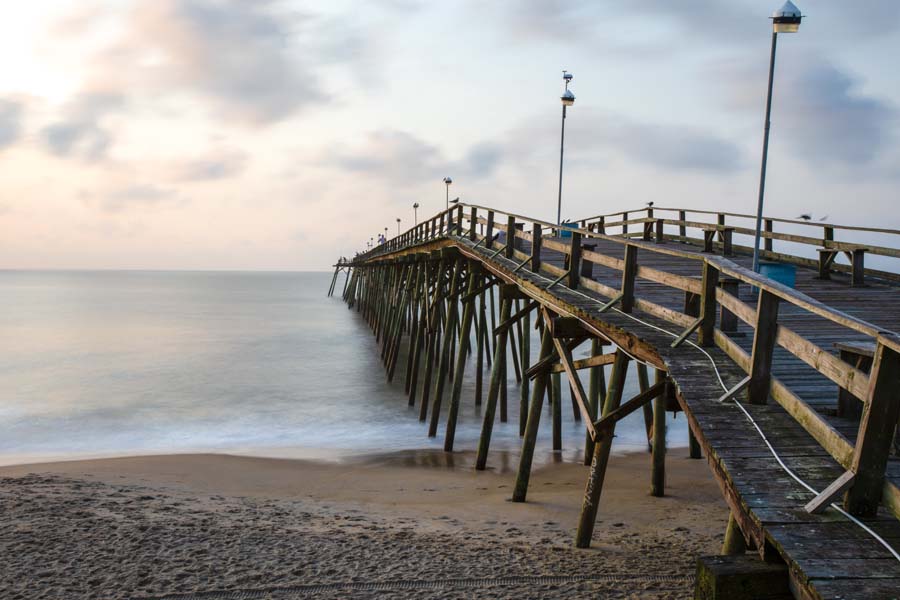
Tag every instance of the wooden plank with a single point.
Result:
(876, 431)
(565, 357)
(763, 345)
(587, 363)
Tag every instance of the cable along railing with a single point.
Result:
(878, 391)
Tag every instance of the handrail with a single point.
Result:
(745, 216)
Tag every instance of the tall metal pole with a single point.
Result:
(415, 215)
(447, 185)
(765, 152)
(562, 142)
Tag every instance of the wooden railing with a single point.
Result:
(646, 221)
(878, 391)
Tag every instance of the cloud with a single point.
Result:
(137, 195)
(404, 159)
(220, 165)
(256, 62)
(819, 110)
(603, 136)
(831, 120)
(10, 122)
(80, 131)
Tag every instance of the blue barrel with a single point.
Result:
(784, 274)
(567, 234)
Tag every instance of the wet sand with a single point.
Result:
(159, 526)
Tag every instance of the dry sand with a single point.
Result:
(160, 526)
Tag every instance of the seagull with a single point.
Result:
(455, 200)
(650, 204)
(805, 216)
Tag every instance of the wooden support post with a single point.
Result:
(648, 231)
(480, 335)
(708, 283)
(727, 235)
(596, 396)
(536, 247)
(459, 220)
(510, 237)
(490, 408)
(628, 275)
(525, 348)
(601, 225)
(694, 445)
(534, 420)
(858, 270)
(624, 224)
(734, 540)
(489, 232)
(660, 231)
(763, 347)
(580, 402)
(443, 359)
(574, 260)
(728, 321)
(876, 431)
(721, 228)
(682, 228)
(557, 411)
(473, 221)
(465, 332)
(658, 475)
(643, 386)
(601, 455)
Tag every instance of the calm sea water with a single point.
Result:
(122, 363)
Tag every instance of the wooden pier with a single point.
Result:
(792, 394)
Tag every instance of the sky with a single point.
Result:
(279, 135)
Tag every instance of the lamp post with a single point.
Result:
(568, 99)
(447, 182)
(398, 226)
(784, 20)
(416, 214)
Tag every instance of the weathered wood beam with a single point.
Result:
(587, 363)
(565, 357)
(763, 348)
(876, 431)
(629, 407)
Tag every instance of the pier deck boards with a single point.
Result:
(828, 555)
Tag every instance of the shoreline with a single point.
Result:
(155, 525)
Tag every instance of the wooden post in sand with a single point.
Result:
(534, 420)
(444, 360)
(601, 455)
(497, 371)
(644, 385)
(596, 396)
(480, 334)
(433, 334)
(557, 411)
(526, 360)
(658, 475)
(468, 313)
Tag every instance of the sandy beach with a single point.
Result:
(194, 526)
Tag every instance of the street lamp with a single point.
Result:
(416, 213)
(398, 226)
(784, 20)
(447, 182)
(568, 99)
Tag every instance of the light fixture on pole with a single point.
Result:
(447, 182)
(398, 226)
(568, 99)
(416, 213)
(784, 20)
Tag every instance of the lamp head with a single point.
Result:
(568, 98)
(416, 205)
(787, 18)
(447, 180)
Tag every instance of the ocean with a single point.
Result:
(114, 363)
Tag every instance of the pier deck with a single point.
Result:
(781, 440)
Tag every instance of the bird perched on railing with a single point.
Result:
(805, 217)
(650, 204)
